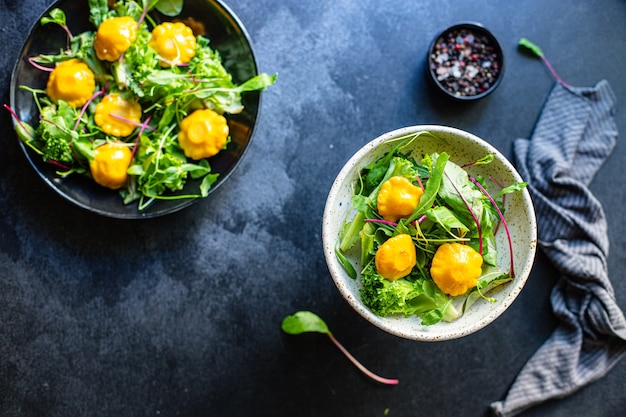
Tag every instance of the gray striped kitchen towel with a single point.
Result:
(574, 135)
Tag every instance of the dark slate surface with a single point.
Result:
(180, 315)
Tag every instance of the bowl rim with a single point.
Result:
(340, 278)
(234, 19)
(479, 27)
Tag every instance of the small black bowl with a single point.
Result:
(465, 62)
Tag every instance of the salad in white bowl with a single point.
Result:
(429, 232)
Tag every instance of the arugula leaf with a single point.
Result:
(368, 235)
(349, 234)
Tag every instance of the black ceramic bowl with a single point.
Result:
(227, 35)
(465, 62)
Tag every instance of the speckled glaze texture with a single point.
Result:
(463, 147)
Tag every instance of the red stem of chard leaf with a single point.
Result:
(553, 72)
(360, 366)
(32, 62)
(15, 116)
(143, 127)
(419, 181)
(506, 227)
(387, 222)
(84, 108)
(476, 220)
(536, 50)
(144, 12)
(124, 119)
(499, 184)
(58, 164)
(69, 36)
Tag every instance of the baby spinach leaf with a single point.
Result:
(302, 322)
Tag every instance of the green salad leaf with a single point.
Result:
(169, 7)
(302, 322)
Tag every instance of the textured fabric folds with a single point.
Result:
(574, 135)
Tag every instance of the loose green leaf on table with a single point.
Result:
(307, 322)
(532, 47)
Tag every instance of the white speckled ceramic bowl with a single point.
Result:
(462, 147)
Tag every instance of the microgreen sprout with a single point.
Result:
(58, 164)
(84, 108)
(387, 222)
(419, 182)
(506, 227)
(536, 50)
(32, 61)
(306, 321)
(143, 126)
(24, 130)
(469, 208)
(58, 16)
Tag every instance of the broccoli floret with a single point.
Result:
(59, 150)
(406, 297)
(56, 134)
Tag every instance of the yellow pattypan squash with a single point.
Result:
(114, 37)
(71, 81)
(174, 42)
(117, 116)
(396, 257)
(203, 134)
(456, 268)
(397, 198)
(110, 163)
